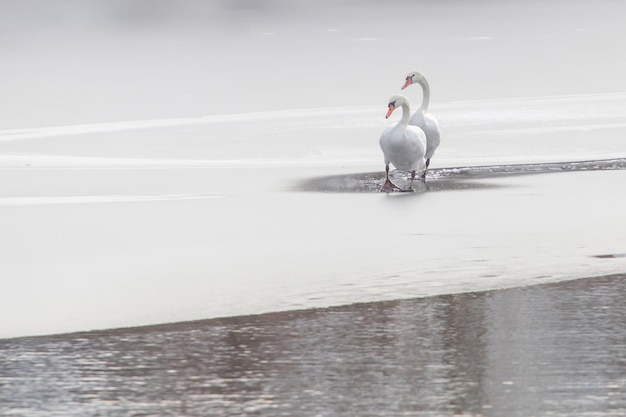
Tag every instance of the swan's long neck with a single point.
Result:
(406, 114)
(425, 94)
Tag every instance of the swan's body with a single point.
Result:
(403, 145)
(421, 118)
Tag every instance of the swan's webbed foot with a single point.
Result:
(389, 186)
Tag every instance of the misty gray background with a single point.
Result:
(71, 62)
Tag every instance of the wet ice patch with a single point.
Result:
(450, 179)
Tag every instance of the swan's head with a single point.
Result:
(394, 102)
(411, 78)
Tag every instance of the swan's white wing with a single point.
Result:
(433, 134)
(417, 138)
(385, 142)
(429, 124)
(417, 119)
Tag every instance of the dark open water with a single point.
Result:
(550, 350)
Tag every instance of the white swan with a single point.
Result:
(421, 118)
(403, 146)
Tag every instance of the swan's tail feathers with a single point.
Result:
(422, 166)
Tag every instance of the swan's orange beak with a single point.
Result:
(391, 109)
(407, 83)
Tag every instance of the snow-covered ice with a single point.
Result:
(144, 181)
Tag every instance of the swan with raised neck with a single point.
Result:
(422, 118)
(403, 145)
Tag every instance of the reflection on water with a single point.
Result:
(451, 179)
(371, 182)
(556, 349)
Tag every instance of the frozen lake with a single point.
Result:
(158, 221)
(147, 182)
